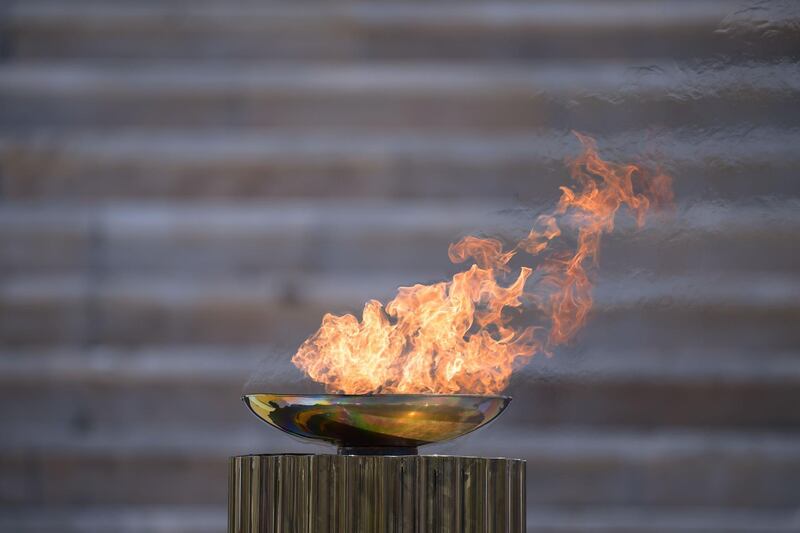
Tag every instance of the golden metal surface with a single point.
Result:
(368, 494)
(373, 424)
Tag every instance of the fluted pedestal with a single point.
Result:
(375, 494)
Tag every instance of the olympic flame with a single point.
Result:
(461, 336)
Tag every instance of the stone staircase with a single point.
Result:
(188, 186)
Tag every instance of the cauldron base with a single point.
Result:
(371, 494)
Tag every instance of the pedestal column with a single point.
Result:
(375, 494)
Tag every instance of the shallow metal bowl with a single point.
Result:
(390, 424)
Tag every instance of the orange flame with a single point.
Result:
(456, 336)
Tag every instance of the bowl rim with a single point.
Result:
(379, 395)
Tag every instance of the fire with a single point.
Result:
(457, 336)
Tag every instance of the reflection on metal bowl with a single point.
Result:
(382, 424)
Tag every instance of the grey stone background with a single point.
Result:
(186, 187)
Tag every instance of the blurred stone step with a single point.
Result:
(658, 520)
(735, 311)
(201, 366)
(191, 165)
(123, 519)
(541, 519)
(378, 31)
(587, 468)
(295, 238)
(598, 97)
(129, 398)
(256, 238)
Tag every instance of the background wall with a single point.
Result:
(187, 186)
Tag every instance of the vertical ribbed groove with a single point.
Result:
(369, 494)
